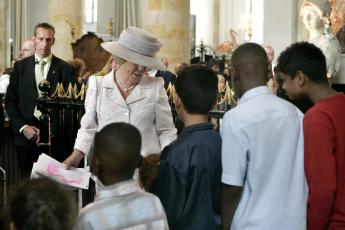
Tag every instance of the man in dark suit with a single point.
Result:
(22, 93)
(168, 77)
(2, 121)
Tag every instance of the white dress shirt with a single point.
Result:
(4, 82)
(262, 152)
(48, 61)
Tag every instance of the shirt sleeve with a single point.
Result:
(171, 188)
(164, 122)
(88, 123)
(12, 99)
(22, 128)
(234, 154)
(320, 168)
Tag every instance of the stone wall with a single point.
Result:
(66, 16)
(169, 21)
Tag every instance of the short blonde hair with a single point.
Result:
(108, 66)
(118, 60)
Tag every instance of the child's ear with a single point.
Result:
(95, 164)
(178, 101)
(301, 78)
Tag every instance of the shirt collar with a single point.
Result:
(47, 59)
(195, 127)
(118, 189)
(253, 93)
(152, 72)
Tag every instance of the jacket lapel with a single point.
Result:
(31, 79)
(111, 92)
(139, 91)
(52, 74)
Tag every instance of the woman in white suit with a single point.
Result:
(128, 95)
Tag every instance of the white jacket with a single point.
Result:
(146, 108)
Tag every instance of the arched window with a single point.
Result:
(90, 11)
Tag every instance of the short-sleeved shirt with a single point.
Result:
(188, 181)
(121, 206)
(262, 151)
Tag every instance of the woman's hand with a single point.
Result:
(74, 159)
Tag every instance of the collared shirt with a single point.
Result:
(188, 181)
(122, 206)
(262, 151)
(48, 61)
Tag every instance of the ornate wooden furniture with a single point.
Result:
(88, 48)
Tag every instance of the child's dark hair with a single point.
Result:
(41, 204)
(304, 57)
(118, 145)
(197, 86)
(148, 170)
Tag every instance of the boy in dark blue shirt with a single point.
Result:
(189, 173)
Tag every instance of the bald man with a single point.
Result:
(270, 53)
(165, 61)
(168, 76)
(264, 185)
(271, 82)
(28, 49)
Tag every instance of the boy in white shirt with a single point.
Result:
(120, 203)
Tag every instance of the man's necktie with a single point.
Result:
(39, 77)
(40, 74)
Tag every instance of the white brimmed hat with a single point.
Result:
(137, 46)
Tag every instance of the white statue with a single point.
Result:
(315, 16)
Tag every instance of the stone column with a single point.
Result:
(169, 21)
(67, 18)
